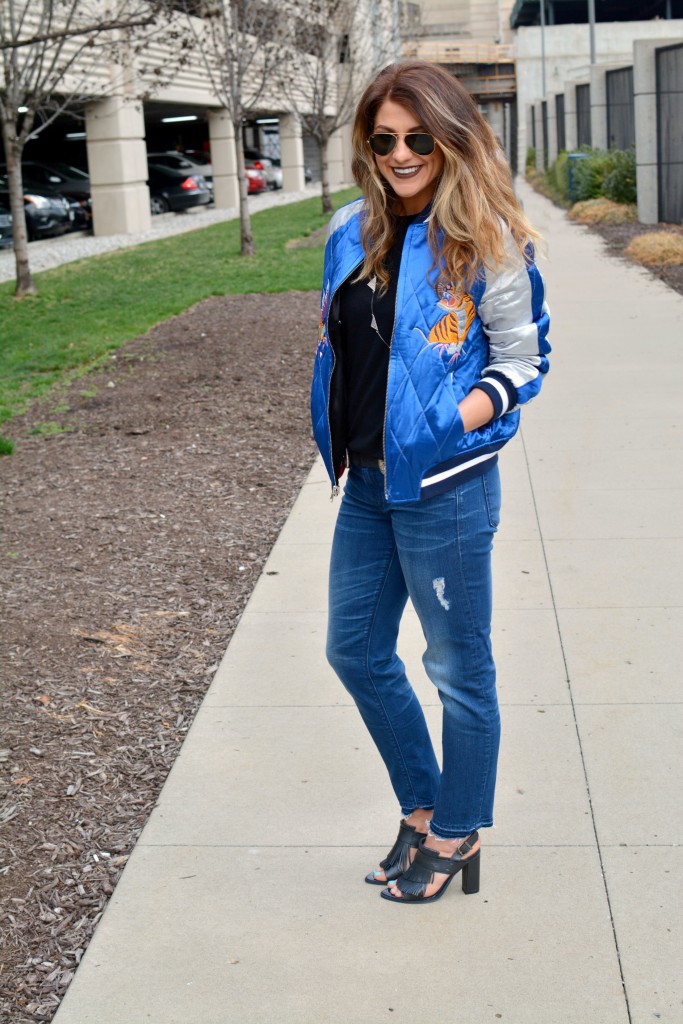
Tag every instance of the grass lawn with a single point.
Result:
(86, 309)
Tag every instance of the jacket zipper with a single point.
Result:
(335, 486)
(386, 396)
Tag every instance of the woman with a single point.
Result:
(432, 334)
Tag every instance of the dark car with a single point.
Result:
(171, 189)
(182, 162)
(56, 178)
(46, 215)
(5, 225)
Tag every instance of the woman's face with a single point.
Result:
(413, 178)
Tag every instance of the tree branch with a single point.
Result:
(62, 34)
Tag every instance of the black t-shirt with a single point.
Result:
(366, 325)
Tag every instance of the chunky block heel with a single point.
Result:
(470, 874)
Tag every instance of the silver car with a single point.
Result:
(263, 163)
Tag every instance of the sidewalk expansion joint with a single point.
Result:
(578, 732)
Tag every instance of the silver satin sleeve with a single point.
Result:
(343, 215)
(506, 314)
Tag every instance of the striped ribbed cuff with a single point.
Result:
(500, 390)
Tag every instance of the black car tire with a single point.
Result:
(158, 204)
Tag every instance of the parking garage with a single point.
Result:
(110, 139)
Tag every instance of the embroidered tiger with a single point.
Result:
(451, 330)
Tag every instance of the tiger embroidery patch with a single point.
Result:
(450, 331)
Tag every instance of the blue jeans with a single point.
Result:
(438, 553)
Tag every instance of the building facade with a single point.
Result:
(148, 101)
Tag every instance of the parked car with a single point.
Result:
(263, 163)
(5, 225)
(200, 156)
(173, 189)
(58, 179)
(277, 163)
(183, 162)
(46, 215)
(256, 179)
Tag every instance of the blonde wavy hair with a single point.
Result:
(474, 191)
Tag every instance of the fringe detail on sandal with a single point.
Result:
(398, 859)
(416, 879)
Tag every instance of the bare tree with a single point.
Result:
(242, 43)
(49, 49)
(339, 47)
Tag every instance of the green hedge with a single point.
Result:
(610, 173)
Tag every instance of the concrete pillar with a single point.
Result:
(347, 151)
(645, 107)
(335, 159)
(598, 83)
(494, 116)
(552, 129)
(117, 162)
(570, 130)
(223, 160)
(291, 153)
(538, 121)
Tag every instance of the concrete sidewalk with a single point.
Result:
(244, 902)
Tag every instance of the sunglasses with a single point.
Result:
(421, 143)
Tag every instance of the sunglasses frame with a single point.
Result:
(404, 135)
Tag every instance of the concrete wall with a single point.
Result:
(645, 102)
(567, 50)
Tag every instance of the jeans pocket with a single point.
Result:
(491, 484)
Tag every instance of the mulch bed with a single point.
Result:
(130, 544)
(618, 236)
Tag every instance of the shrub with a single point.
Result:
(589, 175)
(620, 181)
(530, 157)
(657, 248)
(557, 176)
(610, 173)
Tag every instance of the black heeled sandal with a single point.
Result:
(398, 859)
(413, 882)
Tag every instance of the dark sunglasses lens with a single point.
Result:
(382, 144)
(421, 143)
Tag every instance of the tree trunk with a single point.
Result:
(325, 174)
(25, 284)
(247, 240)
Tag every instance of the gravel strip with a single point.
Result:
(53, 252)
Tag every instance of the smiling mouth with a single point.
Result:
(406, 172)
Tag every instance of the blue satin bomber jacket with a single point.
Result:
(492, 337)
